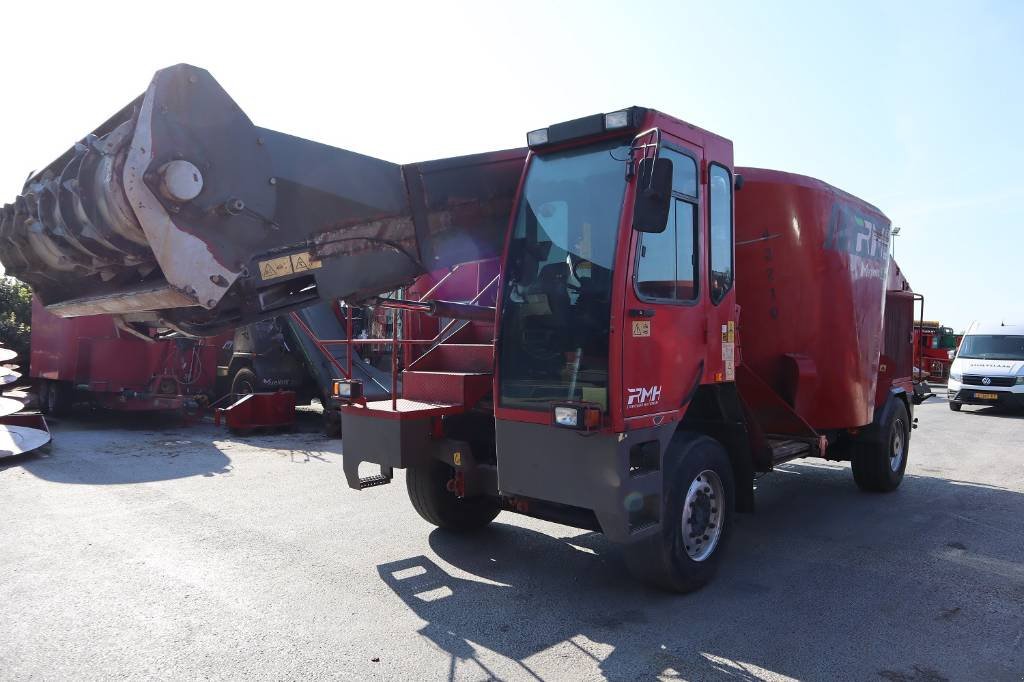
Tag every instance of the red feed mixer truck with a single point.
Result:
(657, 339)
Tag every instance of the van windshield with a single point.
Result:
(992, 347)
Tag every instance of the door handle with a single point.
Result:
(641, 312)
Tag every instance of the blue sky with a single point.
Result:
(916, 107)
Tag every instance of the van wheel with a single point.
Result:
(955, 406)
(698, 508)
(427, 485)
(879, 466)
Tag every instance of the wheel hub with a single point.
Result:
(703, 514)
(897, 445)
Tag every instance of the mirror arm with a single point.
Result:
(633, 147)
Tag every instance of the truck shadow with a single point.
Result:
(820, 566)
(146, 447)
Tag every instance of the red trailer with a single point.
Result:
(92, 358)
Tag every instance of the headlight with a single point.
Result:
(346, 390)
(1020, 380)
(567, 416)
(956, 376)
(582, 416)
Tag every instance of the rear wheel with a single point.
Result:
(428, 491)
(44, 396)
(699, 499)
(244, 382)
(59, 396)
(879, 466)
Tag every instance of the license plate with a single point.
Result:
(987, 396)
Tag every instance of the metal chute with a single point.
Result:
(180, 212)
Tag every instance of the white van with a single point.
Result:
(989, 367)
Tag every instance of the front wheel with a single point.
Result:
(427, 485)
(955, 406)
(879, 466)
(699, 499)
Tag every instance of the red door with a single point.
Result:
(664, 335)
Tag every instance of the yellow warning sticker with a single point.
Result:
(276, 267)
(641, 328)
(287, 265)
(304, 261)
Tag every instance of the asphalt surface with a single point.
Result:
(136, 548)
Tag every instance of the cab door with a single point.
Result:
(664, 335)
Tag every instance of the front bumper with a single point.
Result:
(966, 394)
(601, 472)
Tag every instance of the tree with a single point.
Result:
(15, 317)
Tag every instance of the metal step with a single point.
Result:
(785, 450)
(373, 481)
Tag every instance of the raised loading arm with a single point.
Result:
(179, 212)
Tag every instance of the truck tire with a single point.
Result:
(44, 396)
(955, 406)
(59, 397)
(428, 491)
(244, 382)
(332, 423)
(879, 466)
(699, 500)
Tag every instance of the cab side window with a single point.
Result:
(720, 247)
(667, 264)
(667, 261)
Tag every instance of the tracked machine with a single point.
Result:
(652, 340)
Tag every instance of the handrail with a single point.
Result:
(395, 341)
(438, 338)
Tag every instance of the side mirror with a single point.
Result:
(653, 195)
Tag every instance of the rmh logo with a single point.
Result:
(643, 395)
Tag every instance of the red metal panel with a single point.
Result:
(91, 351)
(812, 269)
(259, 410)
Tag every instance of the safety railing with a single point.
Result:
(395, 341)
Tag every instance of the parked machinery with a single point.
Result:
(656, 341)
(98, 359)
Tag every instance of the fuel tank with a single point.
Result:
(812, 266)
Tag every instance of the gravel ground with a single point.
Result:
(141, 548)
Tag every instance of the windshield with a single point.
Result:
(557, 300)
(992, 347)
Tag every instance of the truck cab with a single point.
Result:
(989, 367)
(612, 315)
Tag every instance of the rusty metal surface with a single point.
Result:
(180, 206)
